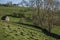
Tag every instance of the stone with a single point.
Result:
(6, 18)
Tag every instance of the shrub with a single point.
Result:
(18, 15)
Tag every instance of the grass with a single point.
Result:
(13, 31)
(56, 29)
(7, 10)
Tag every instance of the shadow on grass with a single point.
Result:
(46, 32)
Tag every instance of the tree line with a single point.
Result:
(44, 12)
(8, 4)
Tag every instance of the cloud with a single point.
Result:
(13, 1)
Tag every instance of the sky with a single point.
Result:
(13, 1)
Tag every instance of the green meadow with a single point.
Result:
(12, 30)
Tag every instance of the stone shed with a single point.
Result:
(6, 18)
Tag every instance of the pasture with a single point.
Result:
(13, 30)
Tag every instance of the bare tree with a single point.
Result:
(9, 3)
(24, 3)
(50, 6)
(43, 12)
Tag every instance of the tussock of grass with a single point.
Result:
(20, 32)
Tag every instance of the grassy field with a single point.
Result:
(14, 31)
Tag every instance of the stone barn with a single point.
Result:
(6, 18)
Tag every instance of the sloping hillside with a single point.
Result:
(13, 30)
